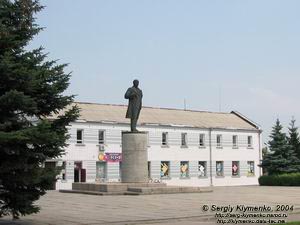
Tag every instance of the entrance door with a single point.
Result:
(101, 170)
(51, 165)
(77, 172)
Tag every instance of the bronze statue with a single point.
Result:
(135, 95)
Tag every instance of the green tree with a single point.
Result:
(31, 90)
(281, 158)
(293, 138)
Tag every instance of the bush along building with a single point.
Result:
(185, 147)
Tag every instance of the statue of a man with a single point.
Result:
(135, 95)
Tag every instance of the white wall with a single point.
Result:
(89, 150)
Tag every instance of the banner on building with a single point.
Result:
(110, 157)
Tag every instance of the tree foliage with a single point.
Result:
(31, 90)
(294, 139)
(281, 158)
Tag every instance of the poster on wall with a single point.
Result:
(164, 169)
(202, 169)
(184, 169)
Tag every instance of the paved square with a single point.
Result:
(66, 209)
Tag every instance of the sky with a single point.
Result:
(228, 55)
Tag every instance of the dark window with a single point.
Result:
(249, 141)
(219, 140)
(79, 136)
(101, 137)
(63, 171)
(164, 140)
(234, 140)
(202, 140)
(183, 139)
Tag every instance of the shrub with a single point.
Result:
(288, 179)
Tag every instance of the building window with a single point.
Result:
(184, 169)
(101, 171)
(202, 167)
(164, 139)
(101, 137)
(235, 141)
(251, 170)
(79, 136)
(165, 169)
(183, 139)
(235, 168)
(202, 140)
(219, 140)
(219, 169)
(63, 171)
(250, 142)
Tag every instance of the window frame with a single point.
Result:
(219, 144)
(248, 174)
(222, 163)
(185, 145)
(188, 170)
(104, 137)
(202, 138)
(166, 143)
(235, 141)
(205, 169)
(238, 168)
(80, 141)
(169, 170)
(64, 171)
(251, 141)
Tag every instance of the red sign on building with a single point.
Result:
(113, 157)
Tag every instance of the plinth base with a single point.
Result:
(134, 157)
(132, 189)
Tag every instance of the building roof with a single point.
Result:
(106, 113)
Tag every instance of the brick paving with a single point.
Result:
(170, 209)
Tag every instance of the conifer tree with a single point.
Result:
(294, 139)
(31, 90)
(281, 158)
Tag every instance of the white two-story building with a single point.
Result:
(185, 147)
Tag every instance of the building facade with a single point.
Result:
(187, 148)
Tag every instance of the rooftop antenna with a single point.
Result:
(184, 104)
(220, 99)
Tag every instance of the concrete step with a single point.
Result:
(169, 190)
(132, 189)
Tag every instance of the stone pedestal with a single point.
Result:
(134, 174)
(134, 157)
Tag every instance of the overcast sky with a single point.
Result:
(249, 51)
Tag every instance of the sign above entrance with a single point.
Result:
(110, 157)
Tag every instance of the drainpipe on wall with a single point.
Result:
(210, 158)
(260, 151)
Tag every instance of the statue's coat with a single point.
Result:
(135, 96)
